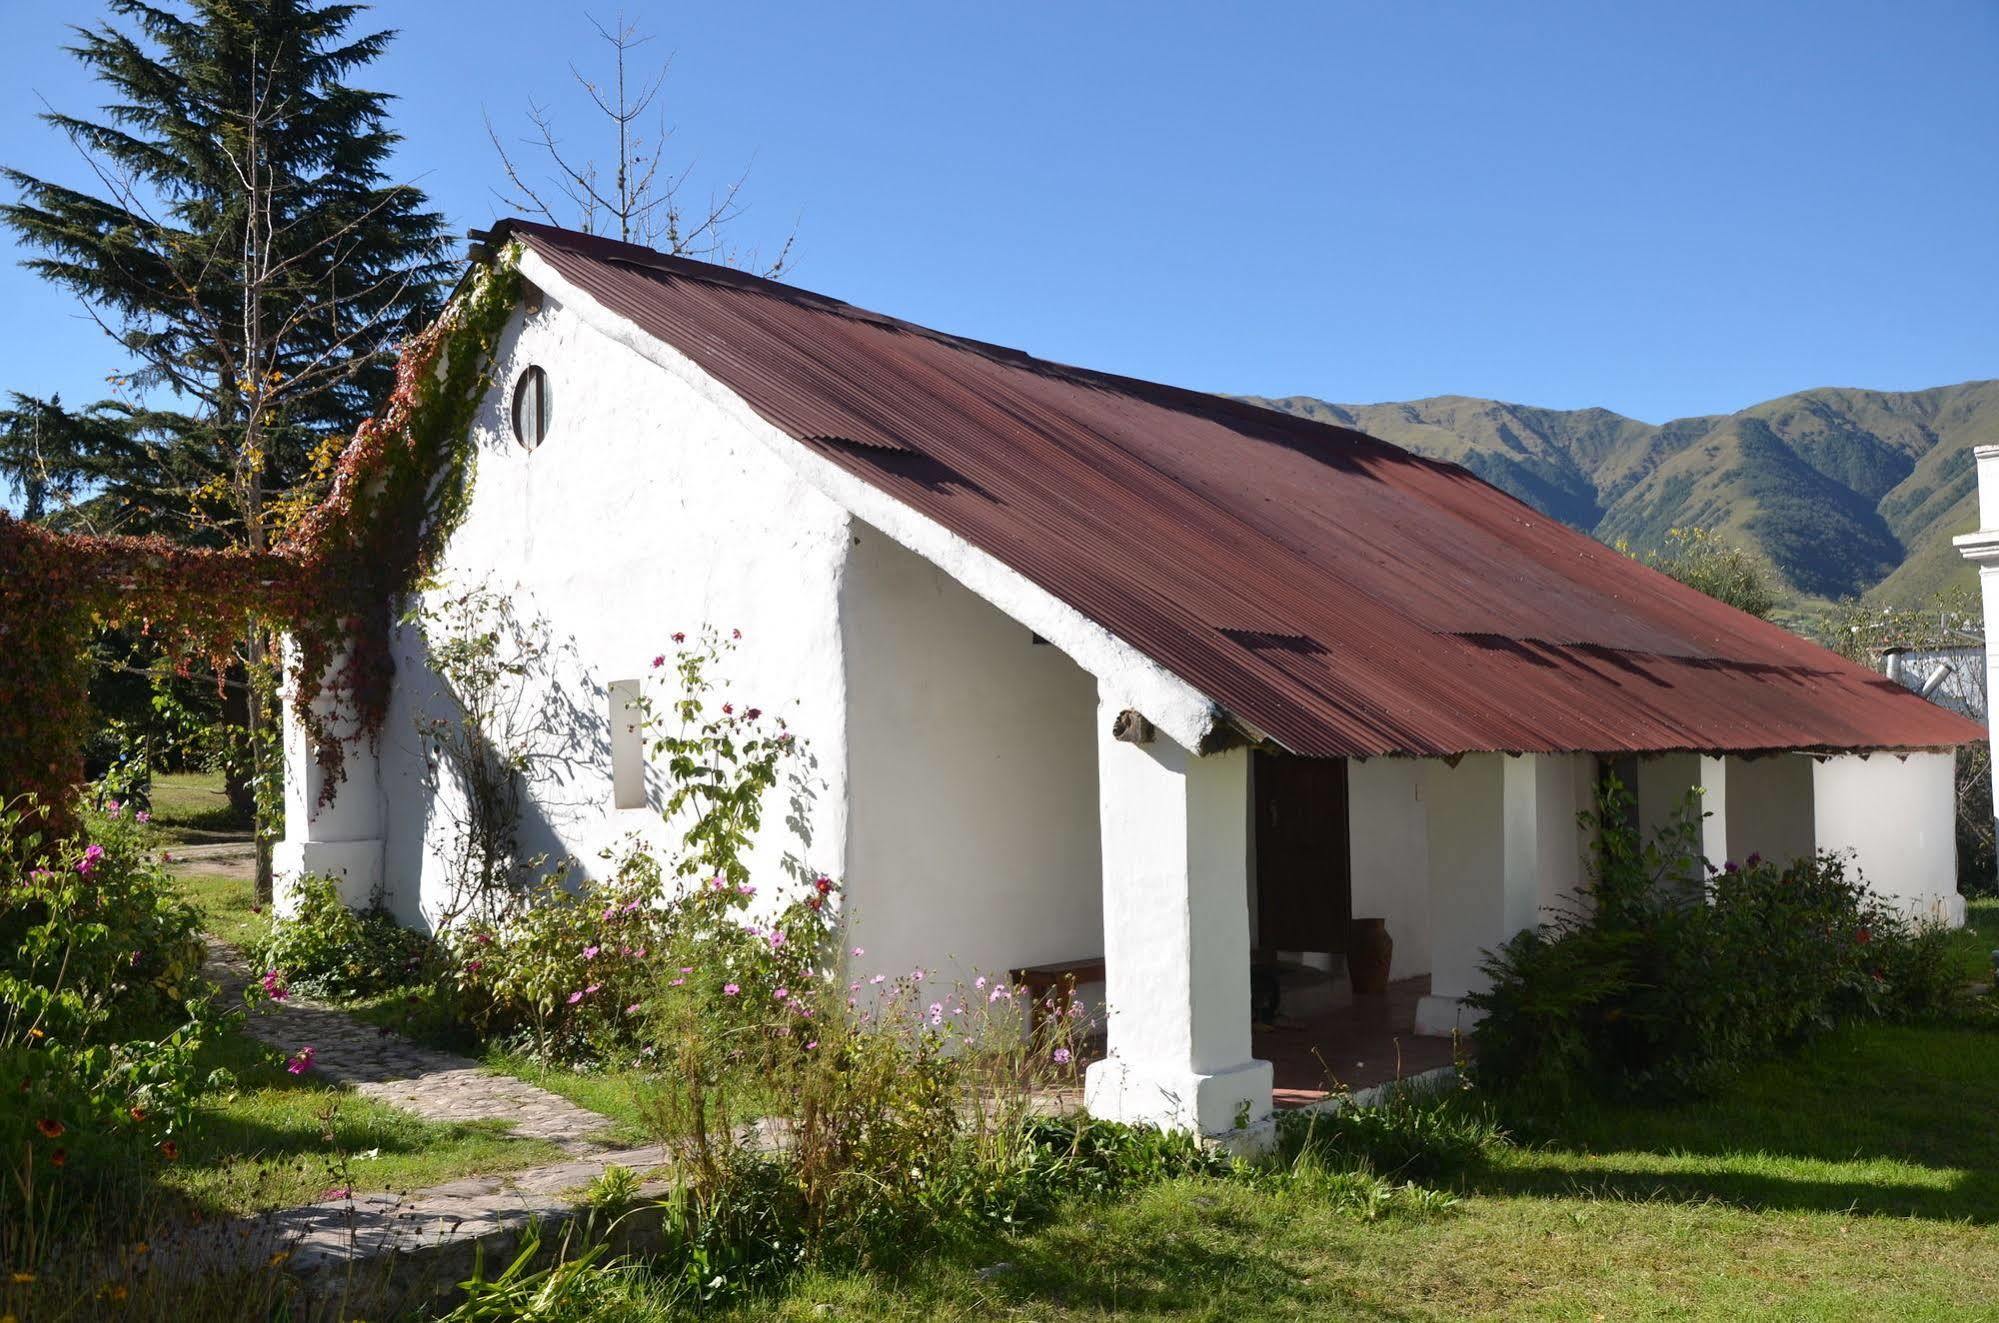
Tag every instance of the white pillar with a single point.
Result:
(1982, 549)
(341, 838)
(1897, 816)
(1176, 939)
(1499, 826)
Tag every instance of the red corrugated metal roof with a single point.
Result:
(1328, 590)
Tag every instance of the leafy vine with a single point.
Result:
(394, 496)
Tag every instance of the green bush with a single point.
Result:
(1670, 978)
(103, 1012)
(326, 949)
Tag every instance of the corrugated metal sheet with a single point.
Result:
(1335, 593)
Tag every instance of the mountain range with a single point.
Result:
(1845, 493)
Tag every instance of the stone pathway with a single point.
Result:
(383, 1065)
(391, 1251)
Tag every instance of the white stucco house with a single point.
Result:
(1097, 669)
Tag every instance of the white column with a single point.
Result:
(1176, 939)
(1493, 839)
(341, 838)
(1982, 549)
(1897, 816)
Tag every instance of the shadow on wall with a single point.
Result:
(545, 714)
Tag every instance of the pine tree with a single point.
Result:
(244, 244)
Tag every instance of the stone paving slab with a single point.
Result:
(383, 1065)
(391, 1251)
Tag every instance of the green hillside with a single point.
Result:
(1845, 492)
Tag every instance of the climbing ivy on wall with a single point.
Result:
(393, 496)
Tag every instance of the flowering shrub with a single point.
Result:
(1675, 977)
(102, 1007)
(328, 950)
(571, 968)
(563, 966)
(907, 1107)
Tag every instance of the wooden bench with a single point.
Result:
(1056, 982)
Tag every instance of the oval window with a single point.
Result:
(531, 407)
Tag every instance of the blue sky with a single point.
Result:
(1663, 209)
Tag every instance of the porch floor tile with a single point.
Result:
(1371, 1041)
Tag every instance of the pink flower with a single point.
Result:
(999, 992)
(728, 709)
(1061, 1056)
(735, 633)
(676, 983)
(301, 1063)
(610, 912)
(754, 713)
(936, 1012)
(474, 966)
(918, 974)
(639, 954)
(781, 993)
(680, 638)
(337, 1192)
(746, 889)
(730, 989)
(274, 986)
(809, 1046)
(483, 939)
(685, 969)
(575, 997)
(114, 808)
(860, 951)
(879, 978)
(143, 816)
(590, 952)
(631, 907)
(632, 1009)
(659, 661)
(88, 864)
(980, 983)
(591, 989)
(719, 883)
(776, 939)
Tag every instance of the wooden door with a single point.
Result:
(1304, 872)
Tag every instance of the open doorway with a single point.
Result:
(1304, 884)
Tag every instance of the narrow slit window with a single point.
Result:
(628, 750)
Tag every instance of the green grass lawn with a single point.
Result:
(280, 1139)
(228, 906)
(1859, 1180)
(1979, 937)
(193, 806)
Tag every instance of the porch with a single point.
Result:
(1371, 1041)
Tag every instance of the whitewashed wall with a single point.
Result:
(1898, 817)
(1769, 804)
(647, 510)
(1388, 825)
(974, 835)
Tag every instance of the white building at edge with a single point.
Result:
(1093, 668)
